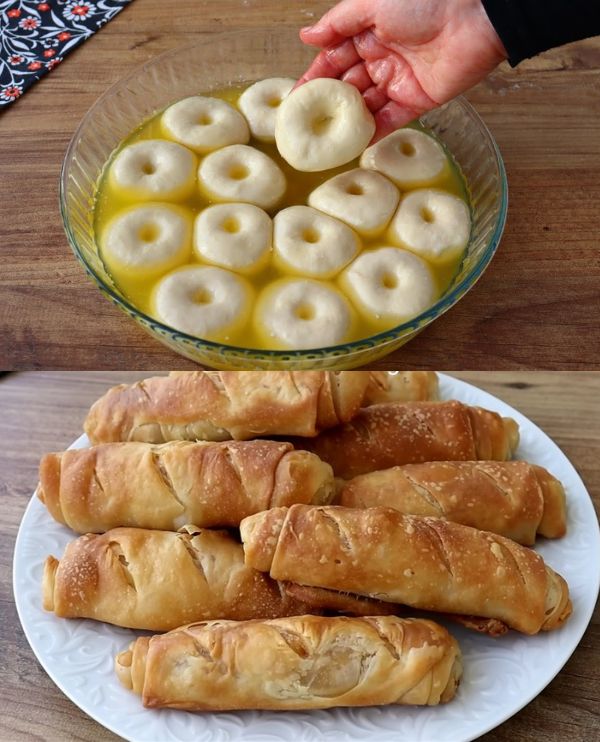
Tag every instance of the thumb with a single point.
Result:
(345, 19)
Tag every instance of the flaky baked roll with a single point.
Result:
(401, 386)
(220, 405)
(305, 662)
(166, 486)
(512, 498)
(393, 434)
(426, 563)
(158, 580)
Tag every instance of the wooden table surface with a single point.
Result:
(536, 307)
(44, 411)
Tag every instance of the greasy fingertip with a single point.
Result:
(391, 117)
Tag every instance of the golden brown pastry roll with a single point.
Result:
(304, 662)
(512, 498)
(220, 405)
(393, 434)
(166, 486)
(426, 563)
(158, 580)
(401, 386)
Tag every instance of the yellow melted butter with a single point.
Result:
(108, 204)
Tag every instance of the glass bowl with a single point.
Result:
(236, 57)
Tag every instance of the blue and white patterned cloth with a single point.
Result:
(36, 36)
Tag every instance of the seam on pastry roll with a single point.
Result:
(165, 486)
(401, 386)
(158, 580)
(220, 405)
(426, 563)
(393, 434)
(512, 498)
(295, 663)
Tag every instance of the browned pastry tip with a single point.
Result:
(554, 518)
(401, 386)
(339, 602)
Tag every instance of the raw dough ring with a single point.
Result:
(203, 301)
(389, 284)
(204, 124)
(363, 199)
(310, 243)
(235, 236)
(433, 224)
(299, 313)
(322, 124)
(259, 104)
(153, 169)
(409, 157)
(241, 173)
(147, 240)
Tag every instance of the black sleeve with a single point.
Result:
(528, 27)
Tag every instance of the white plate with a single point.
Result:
(500, 676)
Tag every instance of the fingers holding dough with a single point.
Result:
(312, 244)
(241, 173)
(204, 124)
(434, 224)
(323, 124)
(153, 169)
(236, 236)
(389, 284)
(363, 199)
(259, 104)
(302, 313)
(203, 301)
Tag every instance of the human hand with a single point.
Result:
(405, 56)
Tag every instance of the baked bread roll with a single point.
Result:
(305, 662)
(158, 580)
(401, 386)
(220, 405)
(166, 486)
(426, 563)
(393, 434)
(511, 498)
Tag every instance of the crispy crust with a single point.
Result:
(511, 498)
(220, 405)
(425, 563)
(393, 434)
(296, 663)
(158, 580)
(166, 486)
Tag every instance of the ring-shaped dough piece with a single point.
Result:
(323, 124)
(204, 124)
(203, 301)
(409, 157)
(234, 236)
(154, 169)
(300, 313)
(309, 243)
(145, 241)
(259, 104)
(241, 173)
(363, 199)
(389, 285)
(433, 224)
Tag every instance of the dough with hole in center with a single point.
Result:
(153, 169)
(204, 124)
(323, 124)
(259, 104)
(300, 313)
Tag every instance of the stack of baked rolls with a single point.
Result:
(293, 533)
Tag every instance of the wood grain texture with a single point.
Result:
(43, 411)
(536, 307)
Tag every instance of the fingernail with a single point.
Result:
(306, 28)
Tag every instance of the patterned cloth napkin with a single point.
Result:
(36, 36)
